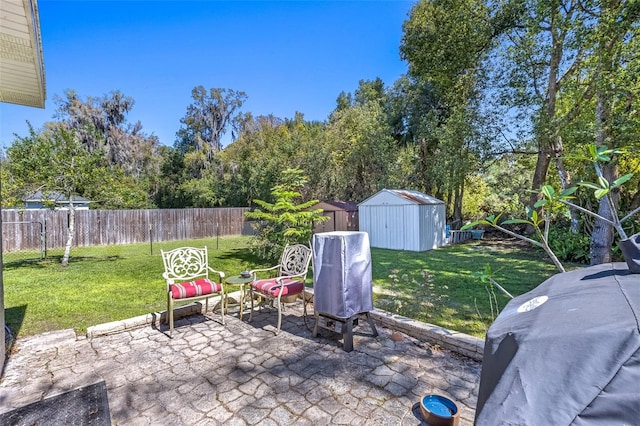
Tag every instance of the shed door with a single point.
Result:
(391, 225)
(329, 225)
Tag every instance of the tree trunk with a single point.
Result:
(70, 232)
(539, 178)
(565, 183)
(457, 204)
(603, 233)
(549, 140)
(635, 201)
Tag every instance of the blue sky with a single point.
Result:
(287, 56)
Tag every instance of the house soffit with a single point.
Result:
(22, 78)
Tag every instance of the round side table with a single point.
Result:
(238, 281)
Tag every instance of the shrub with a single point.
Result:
(569, 246)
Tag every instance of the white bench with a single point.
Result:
(459, 236)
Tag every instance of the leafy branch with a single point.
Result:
(540, 216)
(602, 188)
(487, 276)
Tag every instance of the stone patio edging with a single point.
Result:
(464, 344)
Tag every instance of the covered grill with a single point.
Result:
(342, 282)
(566, 353)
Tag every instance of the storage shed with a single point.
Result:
(343, 216)
(403, 220)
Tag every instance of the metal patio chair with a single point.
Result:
(186, 272)
(287, 285)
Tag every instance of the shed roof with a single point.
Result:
(408, 195)
(340, 205)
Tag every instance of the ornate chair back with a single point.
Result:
(185, 263)
(295, 261)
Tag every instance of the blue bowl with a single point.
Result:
(438, 410)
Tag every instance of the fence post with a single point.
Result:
(42, 249)
(150, 239)
(44, 237)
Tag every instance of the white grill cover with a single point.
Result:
(342, 283)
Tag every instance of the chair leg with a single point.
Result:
(251, 296)
(279, 315)
(315, 327)
(305, 302)
(222, 299)
(170, 314)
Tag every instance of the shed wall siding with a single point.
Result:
(440, 225)
(339, 219)
(408, 227)
(431, 227)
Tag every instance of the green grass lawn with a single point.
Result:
(442, 287)
(109, 283)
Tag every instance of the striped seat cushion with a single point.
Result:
(270, 287)
(199, 287)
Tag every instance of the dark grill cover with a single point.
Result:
(342, 281)
(572, 360)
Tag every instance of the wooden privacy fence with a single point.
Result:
(21, 230)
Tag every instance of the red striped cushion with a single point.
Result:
(272, 288)
(199, 287)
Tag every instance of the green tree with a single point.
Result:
(359, 149)
(543, 47)
(284, 221)
(413, 114)
(253, 163)
(508, 180)
(199, 144)
(205, 191)
(361, 154)
(614, 74)
(411, 101)
(166, 189)
(207, 119)
(55, 160)
(267, 145)
(574, 64)
(445, 43)
(101, 125)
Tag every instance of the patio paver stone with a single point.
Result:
(209, 374)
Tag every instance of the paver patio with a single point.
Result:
(242, 374)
